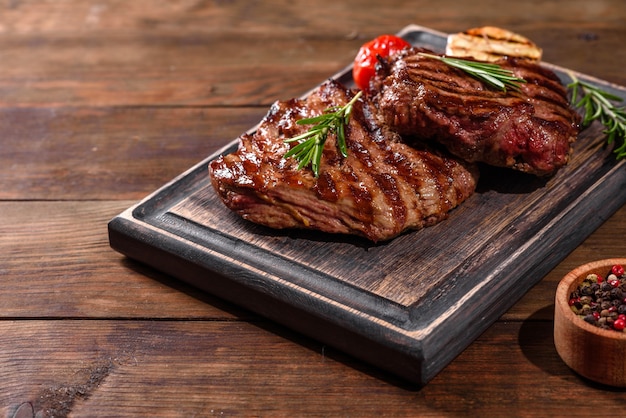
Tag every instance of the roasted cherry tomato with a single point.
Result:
(365, 61)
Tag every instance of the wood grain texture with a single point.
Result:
(211, 368)
(145, 54)
(105, 153)
(59, 274)
(35, 261)
(396, 300)
(102, 102)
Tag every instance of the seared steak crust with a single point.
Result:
(382, 188)
(531, 130)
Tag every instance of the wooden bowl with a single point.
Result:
(595, 353)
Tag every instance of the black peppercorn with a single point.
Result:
(617, 293)
(586, 291)
(606, 286)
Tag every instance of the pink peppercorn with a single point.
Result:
(617, 270)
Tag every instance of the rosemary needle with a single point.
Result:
(311, 143)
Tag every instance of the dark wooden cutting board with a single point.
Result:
(410, 305)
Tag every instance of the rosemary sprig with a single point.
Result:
(597, 105)
(311, 142)
(489, 73)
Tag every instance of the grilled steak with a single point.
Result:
(382, 188)
(531, 130)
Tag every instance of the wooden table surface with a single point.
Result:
(101, 103)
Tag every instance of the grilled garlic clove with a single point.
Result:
(490, 43)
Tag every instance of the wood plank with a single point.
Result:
(81, 16)
(169, 69)
(120, 153)
(56, 260)
(206, 368)
(209, 70)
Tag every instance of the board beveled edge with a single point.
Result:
(346, 329)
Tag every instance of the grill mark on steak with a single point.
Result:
(530, 130)
(375, 173)
(382, 188)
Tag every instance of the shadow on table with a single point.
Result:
(536, 340)
(268, 325)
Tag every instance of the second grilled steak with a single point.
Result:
(530, 130)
